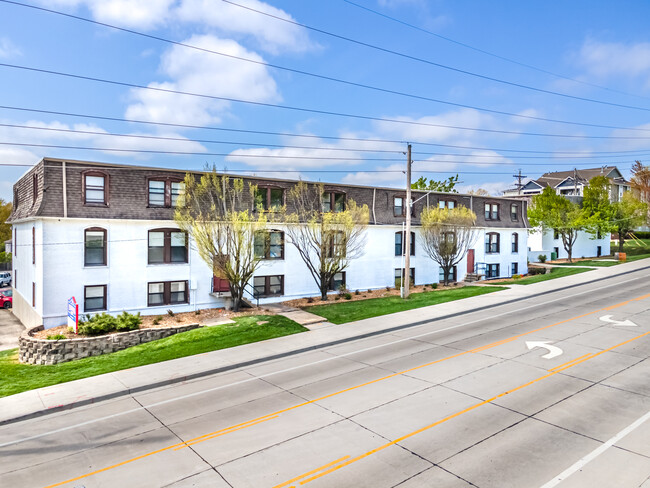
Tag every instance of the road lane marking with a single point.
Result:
(618, 323)
(228, 430)
(481, 348)
(472, 407)
(370, 348)
(578, 465)
(298, 478)
(569, 362)
(553, 351)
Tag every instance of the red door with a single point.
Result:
(470, 261)
(219, 284)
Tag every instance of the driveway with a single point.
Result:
(10, 329)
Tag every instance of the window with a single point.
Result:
(95, 247)
(269, 198)
(446, 204)
(167, 246)
(515, 242)
(95, 188)
(492, 271)
(399, 243)
(266, 286)
(35, 188)
(491, 243)
(491, 211)
(337, 282)
(398, 206)
(164, 192)
(599, 234)
(399, 275)
(94, 298)
(335, 245)
(333, 201)
(269, 244)
(556, 234)
(452, 275)
(514, 269)
(167, 293)
(514, 216)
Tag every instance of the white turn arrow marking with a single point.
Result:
(553, 351)
(620, 323)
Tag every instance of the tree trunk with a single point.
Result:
(621, 241)
(236, 295)
(323, 289)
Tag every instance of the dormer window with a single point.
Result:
(333, 201)
(95, 188)
(270, 199)
(164, 192)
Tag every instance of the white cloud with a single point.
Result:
(199, 72)
(271, 35)
(8, 49)
(616, 59)
(392, 176)
(495, 188)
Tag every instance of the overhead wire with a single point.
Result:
(494, 55)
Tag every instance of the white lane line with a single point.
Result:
(595, 453)
(209, 390)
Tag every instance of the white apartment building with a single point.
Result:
(105, 235)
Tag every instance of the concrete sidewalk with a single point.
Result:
(91, 390)
(10, 330)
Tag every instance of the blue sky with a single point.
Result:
(600, 51)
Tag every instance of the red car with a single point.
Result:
(6, 298)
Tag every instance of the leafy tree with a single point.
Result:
(641, 182)
(597, 208)
(5, 257)
(326, 241)
(218, 213)
(549, 210)
(446, 186)
(5, 228)
(447, 235)
(629, 213)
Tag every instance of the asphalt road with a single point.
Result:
(549, 391)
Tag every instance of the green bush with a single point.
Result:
(641, 234)
(347, 296)
(536, 270)
(104, 323)
(55, 337)
(434, 285)
(156, 320)
(516, 276)
(541, 258)
(127, 321)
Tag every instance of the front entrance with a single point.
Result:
(470, 261)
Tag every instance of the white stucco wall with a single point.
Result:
(543, 243)
(127, 272)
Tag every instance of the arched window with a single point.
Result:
(515, 242)
(492, 243)
(95, 187)
(399, 243)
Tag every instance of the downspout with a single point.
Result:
(65, 191)
(374, 217)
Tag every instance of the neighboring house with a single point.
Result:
(573, 182)
(8, 246)
(105, 234)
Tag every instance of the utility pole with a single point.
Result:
(519, 176)
(407, 232)
(575, 181)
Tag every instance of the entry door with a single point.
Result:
(470, 261)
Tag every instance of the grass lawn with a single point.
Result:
(340, 313)
(635, 249)
(555, 273)
(589, 262)
(16, 377)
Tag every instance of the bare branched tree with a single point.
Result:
(447, 235)
(220, 216)
(327, 239)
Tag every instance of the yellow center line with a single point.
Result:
(569, 362)
(573, 363)
(279, 412)
(325, 466)
(225, 431)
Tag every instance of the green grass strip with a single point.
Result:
(16, 377)
(555, 273)
(340, 313)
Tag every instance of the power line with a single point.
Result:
(288, 146)
(433, 63)
(337, 114)
(339, 80)
(488, 53)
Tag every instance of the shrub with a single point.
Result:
(369, 290)
(434, 285)
(541, 258)
(536, 270)
(347, 296)
(642, 234)
(197, 312)
(310, 300)
(388, 288)
(127, 321)
(170, 312)
(356, 292)
(55, 337)
(70, 330)
(98, 324)
(516, 276)
(337, 297)
(157, 320)
(103, 323)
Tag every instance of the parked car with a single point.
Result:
(6, 300)
(5, 279)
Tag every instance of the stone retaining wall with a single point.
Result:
(45, 351)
